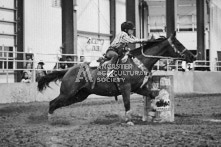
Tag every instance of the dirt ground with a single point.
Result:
(99, 122)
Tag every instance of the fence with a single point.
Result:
(178, 65)
(12, 62)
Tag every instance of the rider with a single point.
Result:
(120, 43)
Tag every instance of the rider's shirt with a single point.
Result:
(124, 38)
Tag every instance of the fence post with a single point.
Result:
(167, 64)
(33, 68)
(7, 66)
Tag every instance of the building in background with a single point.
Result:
(186, 26)
(35, 27)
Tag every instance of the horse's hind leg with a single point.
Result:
(58, 102)
(65, 100)
(125, 90)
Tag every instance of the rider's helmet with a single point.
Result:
(128, 25)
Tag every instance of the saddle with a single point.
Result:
(104, 59)
(97, 64)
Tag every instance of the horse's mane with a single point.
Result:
(147, 45)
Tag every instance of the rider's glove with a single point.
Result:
(144, 40)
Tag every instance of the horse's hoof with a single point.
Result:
(129, 113)
(149, 119)
(49, 116)
(152, 114)
(130, 123)
(144, 118)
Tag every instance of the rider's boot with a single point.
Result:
(110, 70)
(124, 59)
(110, 73)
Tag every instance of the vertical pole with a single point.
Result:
(15, 42)
(170, 17)
(99, 21)
(7, 53)
(75, 31)
(142, 7)
(112, 19)
(131, 16)
(20, 41)
(67, 27)
(200, 29)
(130, 11)
(146, 14)
(33, 68)
(171, 90)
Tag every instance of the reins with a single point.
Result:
(164, 57)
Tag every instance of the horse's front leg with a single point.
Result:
(148, 96)
(126, 90)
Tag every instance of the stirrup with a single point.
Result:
(110, 74)
(124, 59)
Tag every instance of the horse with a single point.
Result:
(77, 82)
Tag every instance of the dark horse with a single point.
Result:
(76, 83)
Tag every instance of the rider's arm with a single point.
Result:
(138, 40)
(132, 39)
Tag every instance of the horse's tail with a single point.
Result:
(54, 76)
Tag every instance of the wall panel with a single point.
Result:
(87, 15)
(104, 16)
(93, 17)
(120, 14)
(6, 15)
(7, 3)
(215, 28)
(7, 27)
(42, 29)
(7, 40)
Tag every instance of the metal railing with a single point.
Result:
(9, 65)
(178, 65)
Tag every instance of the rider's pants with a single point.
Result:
(113, 56)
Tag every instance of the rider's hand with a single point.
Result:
(126, 49)
(144, 40)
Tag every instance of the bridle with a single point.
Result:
(176, 50)
(163, 57)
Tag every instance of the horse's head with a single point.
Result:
(178, 50)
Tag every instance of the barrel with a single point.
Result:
(161, 108)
